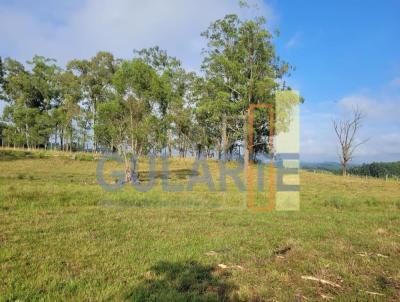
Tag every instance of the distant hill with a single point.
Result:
(326, 166)
(375, 169)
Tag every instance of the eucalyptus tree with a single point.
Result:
(171, 90)
(113, 128)
(68, 109)
(134, 83)
(129, 121)
(30, 95)
(2, 79)
(13, 82)
(241, 63)
(3, 132)
(45, 94)
(208, 119)
(95, 76)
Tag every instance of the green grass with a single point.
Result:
(62, 237)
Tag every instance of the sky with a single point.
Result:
(344, 53)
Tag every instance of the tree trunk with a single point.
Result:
(128, 172)
(84, 142)
(27, 135)
(94, 124)
(62, 139)
(169, 142)
(246, 146)
(55, 136)
(224, 137)
(344, 169)
(71, 137)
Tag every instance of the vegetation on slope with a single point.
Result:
(63, 237)
(377, 169)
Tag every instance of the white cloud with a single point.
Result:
(375, 108)
(294, 40)
(381, 126)
(78, 29)
(118, 26)
(317, 138)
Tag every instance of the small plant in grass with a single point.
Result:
(336, 201)
(371, 202)
(84, 157)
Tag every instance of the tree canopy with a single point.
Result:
(149, 103)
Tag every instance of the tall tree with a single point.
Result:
(3, 133)
(30, 95)
(96, 78)
(69, 111)
(171, 90)
(2, 79)
(242, 65)
(113, 129)
(134, 83)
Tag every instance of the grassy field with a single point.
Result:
(62, 237)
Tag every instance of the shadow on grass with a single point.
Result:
(184, 281)
(8, 155)
(172, 174)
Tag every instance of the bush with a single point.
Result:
(84, 157)
(336, 201)
(41, 155)
(371, 202)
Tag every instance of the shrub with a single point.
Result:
(84, 157)
(336, 201)
(371, 202)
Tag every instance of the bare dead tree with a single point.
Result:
(346, 132)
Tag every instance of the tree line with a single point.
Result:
(149, 103)
(377, 169)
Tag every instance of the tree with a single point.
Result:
(346, 132)
(164, 106)
(171, 90)
(134, 83)
(95, 77)
(3, 131)
(211, 126)
(68, 110)
(44, 76)
(2, 79)
(242, 66)
(377, 169)
(30, 96)
(113, 129)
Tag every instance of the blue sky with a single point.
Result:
(346, 53)
(351, 44)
